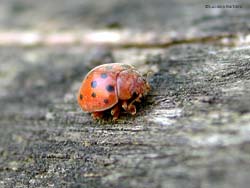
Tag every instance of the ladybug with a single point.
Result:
(110, 88)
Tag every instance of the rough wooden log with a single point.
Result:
(192, 130)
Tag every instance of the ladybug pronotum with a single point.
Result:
(112, 87)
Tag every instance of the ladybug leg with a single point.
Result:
(97, 115)
(115, 112)
(125, 105)
(131, 107)
(138, 99)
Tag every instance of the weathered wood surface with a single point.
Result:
(191, 131)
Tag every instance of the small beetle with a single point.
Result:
(112, 87)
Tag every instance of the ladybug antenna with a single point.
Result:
(148, 74)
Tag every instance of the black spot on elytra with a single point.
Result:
(94, 84)
(106, 101)
(110, 88)
(93, 94)
(104, 75)
(81, 96)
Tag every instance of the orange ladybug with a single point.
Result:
(113, 87)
